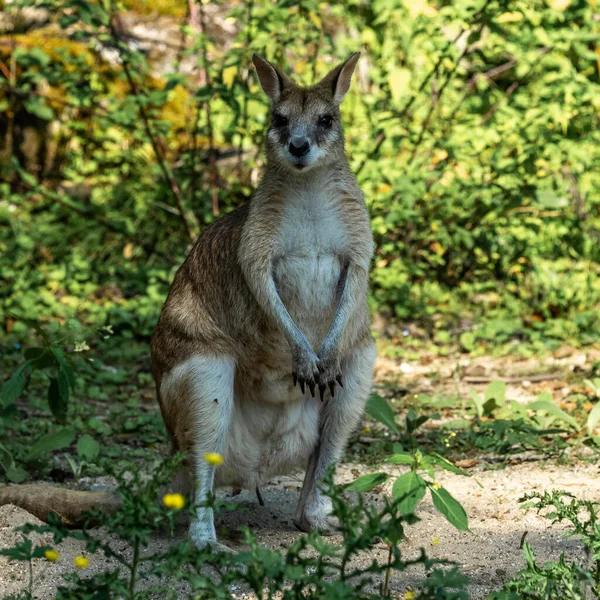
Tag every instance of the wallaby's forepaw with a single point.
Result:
(329, 370)
(305, 368)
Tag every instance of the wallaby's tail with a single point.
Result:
(68, 505)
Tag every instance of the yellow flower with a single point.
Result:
(435, 541)
(51, 555)
(367, 430)
(409, 595)
(436, 485)
(213, 458)
(174, 501)
(81, 562)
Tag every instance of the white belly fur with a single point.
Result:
(266, 440)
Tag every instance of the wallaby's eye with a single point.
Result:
(279, 120)
(325, 121)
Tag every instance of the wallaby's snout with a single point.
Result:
(299, 147)
(305, 125)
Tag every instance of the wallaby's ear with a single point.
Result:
(271, 80)
(338, 80)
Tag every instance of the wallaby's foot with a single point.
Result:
(305, 370)
(218, 547)
(316, 516)
(203, 537)
(324, 524)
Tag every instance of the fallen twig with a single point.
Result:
(532, 378)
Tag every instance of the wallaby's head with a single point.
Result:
(305, 129)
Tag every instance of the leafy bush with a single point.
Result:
(473, 127)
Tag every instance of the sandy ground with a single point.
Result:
(488, 555)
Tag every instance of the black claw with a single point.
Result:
(302, 385)
(295, 378)
(322, 388)
(339, 380)
(311, 385)
(332, 388)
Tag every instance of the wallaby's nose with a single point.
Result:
(299, 148)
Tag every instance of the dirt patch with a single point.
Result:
(489, 555)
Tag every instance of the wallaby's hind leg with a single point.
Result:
(339, 417)
(197, 399)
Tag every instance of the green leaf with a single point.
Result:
(593, 419)
(450, 508)
(40, 358)
(6, 458)
(87, 447)
(63, 386)
(546, 404)
(16, 474)
(367, 482)
(468, 340)
(435, 458)
(478, 402)
(55, 401)
(378, 408)
(401, 459)
(52, 441)
(39, 109)
(549, 199)
(14, 387)
(411, 488)
(399, 82)
(413, 422)
(497, 391)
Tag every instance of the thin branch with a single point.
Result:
(250, 7)
(172, 183)
(531, 378)
(213, 175)
(434, 105)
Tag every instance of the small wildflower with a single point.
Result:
(174, 501)
(51, 555)
(409, 595)
(213, 458)
(453, 434)
(81, 562)
(81, 347)
(435, 541)
(367, 430)
(436, 485)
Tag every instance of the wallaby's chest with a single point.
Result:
(309, 255)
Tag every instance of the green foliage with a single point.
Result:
(410, 488)
(474, 135)
(490, 424)
(564, 578)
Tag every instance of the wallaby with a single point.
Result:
(263, 350)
